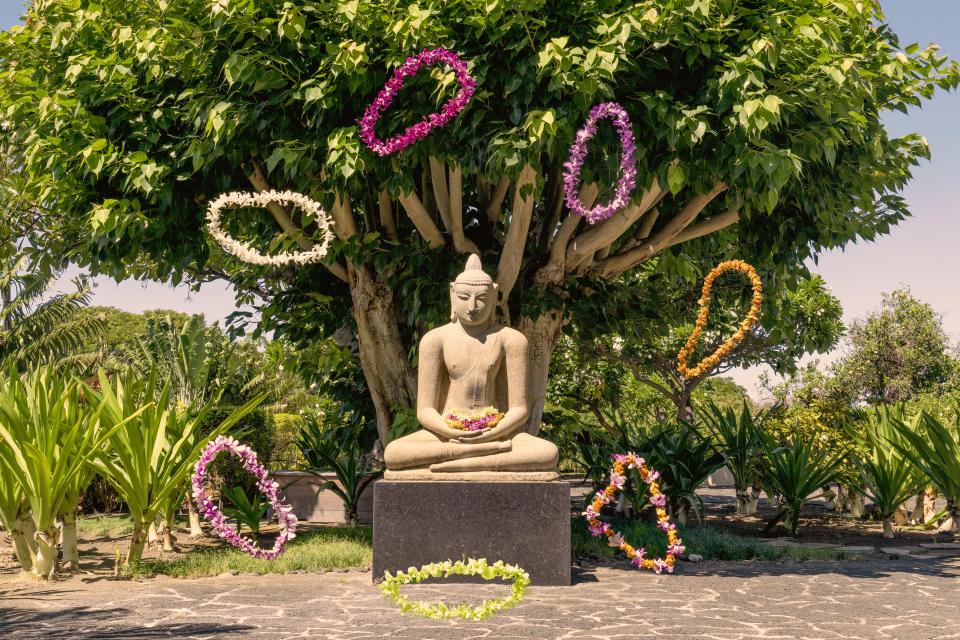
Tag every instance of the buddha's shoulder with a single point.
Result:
(437, 335)
(512, 337)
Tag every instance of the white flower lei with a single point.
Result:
(247, 253)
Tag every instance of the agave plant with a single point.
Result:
(49, 439)
(795, 472)
(684, 460)
(934, 448)
(741, 442)
(153, 447)
(889, 476)
(245, 511)
(339, 449)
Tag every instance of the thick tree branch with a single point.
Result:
(495, 205)
(623, 261)
(512, 256)
(460, 242)
(552, 272)
(283, 218)
(386, 215)
(607, 232)
(344, 224)
(714, 224)
(438, 179)
(421, 220)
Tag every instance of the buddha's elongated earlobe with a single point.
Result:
(453, 316)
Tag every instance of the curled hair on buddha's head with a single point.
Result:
(473, 275)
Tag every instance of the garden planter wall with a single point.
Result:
(301, 491)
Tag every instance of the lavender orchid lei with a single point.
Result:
(578, 153)
(208, 509)
(420, 130)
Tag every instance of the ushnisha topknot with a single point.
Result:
(473, 273)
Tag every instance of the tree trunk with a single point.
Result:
(195, 530)
(137, 542)
(24, 544)
(542, 334)
(167, 535)
(888, 527)
(46, 562)
(152, 535)
(745, 502)
(71, 555)
(929, 505)
(389, 375)
(856, 504)
(952, 523)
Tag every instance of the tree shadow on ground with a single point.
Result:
(84, 622)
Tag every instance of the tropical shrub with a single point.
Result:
(49, 438)
(889, 476)
(246, 511)
(338, 448)
(934, 448)
(684, 460)
(794, 473)
(739, 439)
(153, 446)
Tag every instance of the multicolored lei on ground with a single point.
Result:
(485, 418)
(618, 478)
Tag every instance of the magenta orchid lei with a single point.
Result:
(578, 153)
(422, 129)
(621, 463)
(208, 509)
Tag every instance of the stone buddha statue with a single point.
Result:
(472, 398)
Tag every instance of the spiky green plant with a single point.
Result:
(684, 460)
(739, 440)
(934, 448)
(338, 449)
(245, 511)
(154, 449)
(795, 472)
(889, 476)
(49, 438)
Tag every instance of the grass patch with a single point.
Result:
(100, 526)
(709, 543)
(326, 548)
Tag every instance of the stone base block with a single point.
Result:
(522, 523)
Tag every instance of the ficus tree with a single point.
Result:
(757, 122)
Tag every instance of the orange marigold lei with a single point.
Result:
(753, 316)
(618, 478)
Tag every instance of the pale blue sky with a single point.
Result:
(922, 252)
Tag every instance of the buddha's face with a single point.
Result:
(472, 304)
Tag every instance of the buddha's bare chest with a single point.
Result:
(470, 358)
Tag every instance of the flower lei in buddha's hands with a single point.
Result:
(507, 426)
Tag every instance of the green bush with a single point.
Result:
(286, 454)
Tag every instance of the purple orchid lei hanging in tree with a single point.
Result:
(578, 153)
(422, 129)
(208, 509)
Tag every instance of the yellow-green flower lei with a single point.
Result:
(390, 587)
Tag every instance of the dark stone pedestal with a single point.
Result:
(522, 523)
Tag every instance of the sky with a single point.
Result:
(922, 253)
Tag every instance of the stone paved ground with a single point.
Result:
(902, 599)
